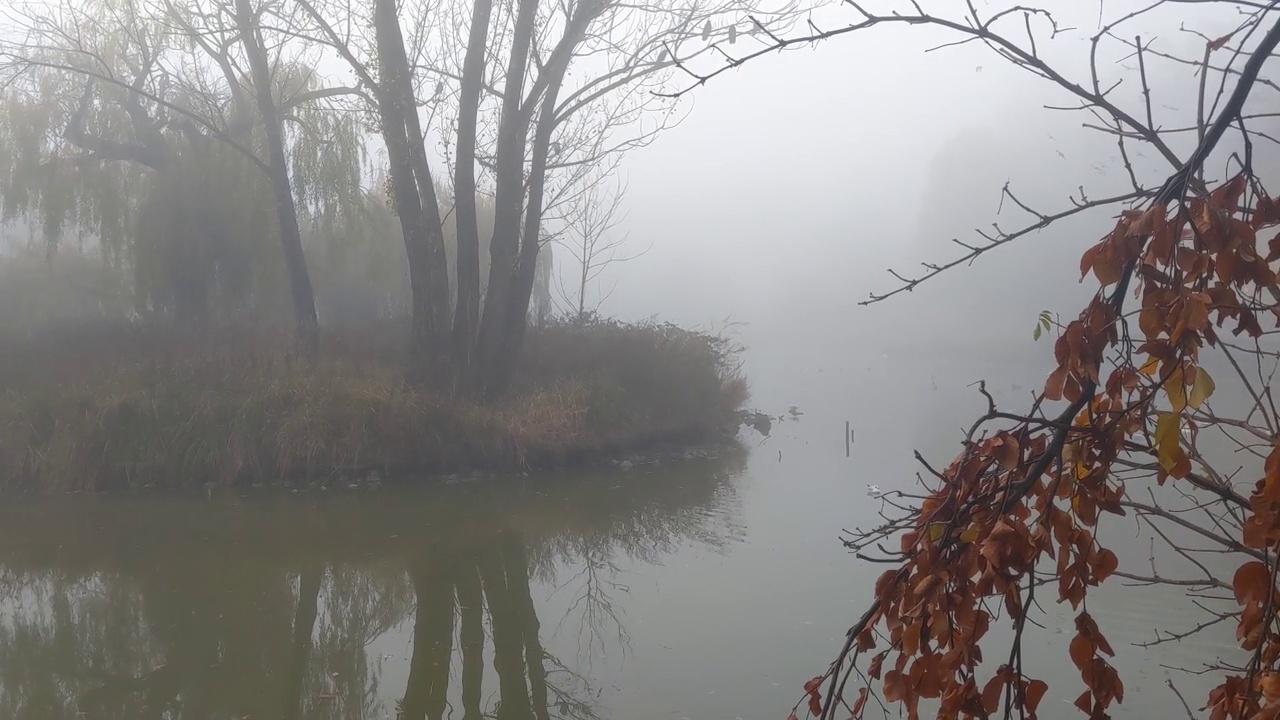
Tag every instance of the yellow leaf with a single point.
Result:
(1168, 451)
(1082, 472)
(936, 530)
(1150, 366)
(1202, 388)
(1177, 391)
(970, 534)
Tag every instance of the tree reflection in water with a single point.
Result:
(268, 607)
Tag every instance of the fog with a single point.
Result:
(791, 209)
(798, 180)
(795, 182)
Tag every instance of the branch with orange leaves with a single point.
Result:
(995, 513)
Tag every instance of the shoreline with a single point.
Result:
(227, 411)
(638, 462)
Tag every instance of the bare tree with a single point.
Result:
(590, 235)
(546, 95)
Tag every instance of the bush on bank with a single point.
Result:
(98, 407)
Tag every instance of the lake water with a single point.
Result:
(708, 590)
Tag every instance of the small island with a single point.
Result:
(165, 342)
(220, 264)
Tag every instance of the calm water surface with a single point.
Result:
(706, 590)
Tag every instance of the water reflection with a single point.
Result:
(401, 603)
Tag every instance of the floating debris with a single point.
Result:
(757, 421)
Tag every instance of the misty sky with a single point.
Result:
(799, 178)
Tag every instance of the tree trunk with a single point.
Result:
(508, 650)
(517, 567)
(428, 686)
(504, 248)
(531, 237)
(471, 636)
(513, 270)
(186, 269)
(409, 209)
(467, 313)
(582, 282)
(304, 622)
(304, 301)
(415, 198)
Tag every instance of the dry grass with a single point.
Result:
(105, 409)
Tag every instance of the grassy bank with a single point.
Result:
(95, 408)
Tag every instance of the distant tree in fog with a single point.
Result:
(135, 121)
(592, 237)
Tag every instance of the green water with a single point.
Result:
(343, 604)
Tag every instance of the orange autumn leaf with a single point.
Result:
(991, 692)
(894, 686)
(1273, 248)
(877, 663)
(1105, 564)
(815, 698)
(1227, 195)
(1053, 387)
(1085, 703)
(1087, 259)
(1151, 322)
(910, 641)
(861, 702)
(1034, 692)
(1269, 683)
(1251, 582)
(1081, 651)
(1145, 222)
(1108, 266)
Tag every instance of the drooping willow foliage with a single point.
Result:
(151, 179)
(199, 236)
(39, 183)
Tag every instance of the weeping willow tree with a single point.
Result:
(204, 241)
(134, 123)
(54, 191)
